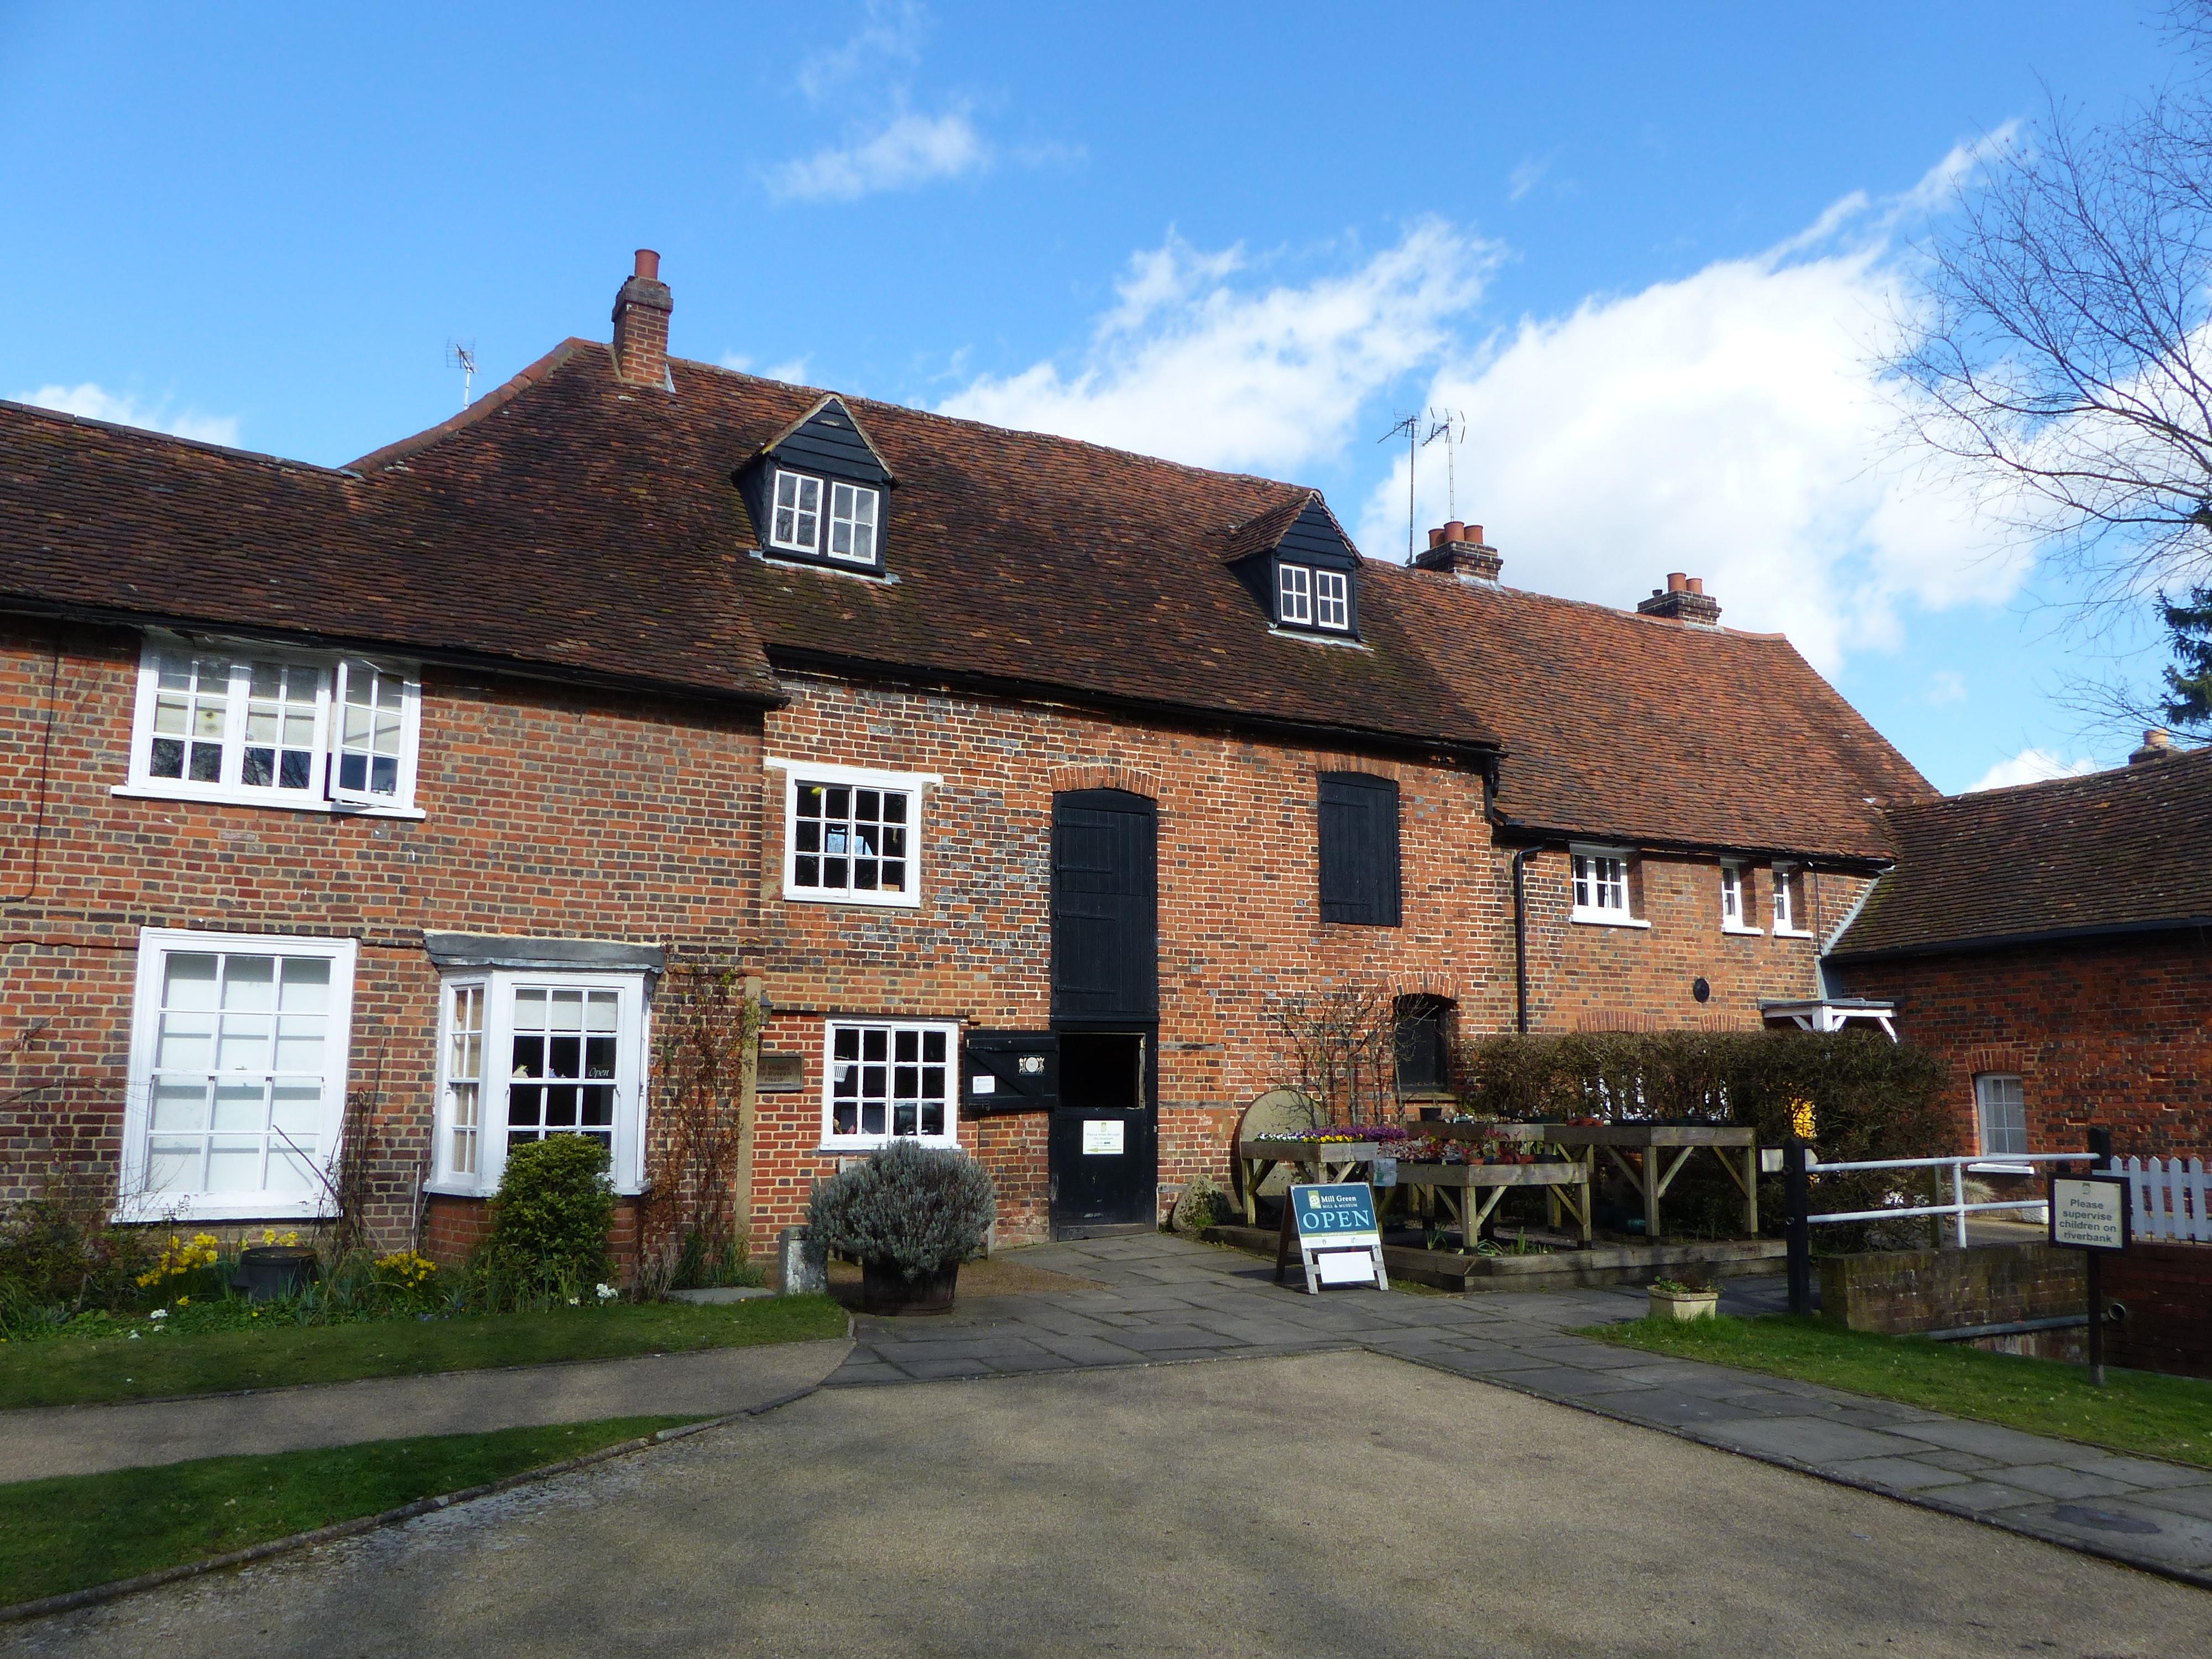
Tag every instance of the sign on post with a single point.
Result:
(2090, 1213)
(1339, 1240)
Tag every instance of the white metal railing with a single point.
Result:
(1958, 1209)
(2173, 1198)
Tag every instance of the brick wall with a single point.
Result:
(2113, 1034)
(2167, 1289)
(1588, 976)
(1240, 925)
(547, 811)
(1902, 1291)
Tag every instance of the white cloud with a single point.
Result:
(1945, 686)
(912, 149)
(1190, 366)
(94, 402)
(2032, 766)
(1732, 425)
(1526, 176)
(793, 370)
(892, 32)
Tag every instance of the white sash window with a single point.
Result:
(266, 726)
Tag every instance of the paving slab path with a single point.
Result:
(88, 1439)
(1167, 1299)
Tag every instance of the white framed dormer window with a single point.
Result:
(1789, 902)
(237, 1076)
(885, 1080)
(798, 513)
(1294, 595)
(1332, 601)
(1734, 904)
(852, 835)
(262, 725)
(526, 1054)
(1601, 887)
(853, 523)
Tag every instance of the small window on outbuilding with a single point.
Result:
(1358, 850)
(2000, 1115)
(1424, 1040)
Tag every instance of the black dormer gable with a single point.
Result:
(1310, 542)
(834, 473)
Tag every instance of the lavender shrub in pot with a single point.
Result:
(910, 1216)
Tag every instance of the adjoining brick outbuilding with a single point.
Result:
(2053, 942)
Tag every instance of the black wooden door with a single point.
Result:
(1105, 908)
(1103, 1142)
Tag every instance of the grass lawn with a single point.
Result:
(67, 1372)
(2138, 1411)
(65, 1534)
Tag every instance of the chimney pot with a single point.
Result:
(1454, 531)
(1474, 534)
(2157, 745)
(1437, 538)
(1683, 600)
(641, 311)
(1457, 548)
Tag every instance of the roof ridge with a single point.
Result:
(501, 395)
(2082, 782)
(1507, 590)
(1016, 431)
(152, 435)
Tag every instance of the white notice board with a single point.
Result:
(1104, 1136)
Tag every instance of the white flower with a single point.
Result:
(574, 1300)
(608, 1292)
(134, 1336)
(159, 1313)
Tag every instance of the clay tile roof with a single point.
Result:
(2123, 851)
(1647, 731)
(1263, 531)
(109, 523)
(1016, 561)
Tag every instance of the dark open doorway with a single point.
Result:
(1104, 1139)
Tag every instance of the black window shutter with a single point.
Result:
(1358, 850)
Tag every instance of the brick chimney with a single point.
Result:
(1458, 550)
(1683, 600)
(2157, 745)
(641, 324)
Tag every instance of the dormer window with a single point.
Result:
(852, 523)
(798, 513)
(816, 492)
(1298, 562)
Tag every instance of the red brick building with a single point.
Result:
(1029, 779)
(2053, 942)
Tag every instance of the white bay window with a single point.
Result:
(267, 727)
(527, 1053)
(237, 1078)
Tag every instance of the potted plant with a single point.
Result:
(909, 1216)
(1670, 1299)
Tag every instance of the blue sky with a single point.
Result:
(1649, 251)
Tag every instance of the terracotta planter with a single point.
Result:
(885, 1289)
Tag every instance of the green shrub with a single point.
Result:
(920, 1209)
(60, 1256)
(1871, 1098)
(548, 1229)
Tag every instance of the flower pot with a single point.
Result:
(1682, 1304)
(267, 1272)
(885, 1289)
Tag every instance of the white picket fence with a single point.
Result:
(2171, 1198)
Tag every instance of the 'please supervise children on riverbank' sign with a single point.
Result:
(1339, 1241)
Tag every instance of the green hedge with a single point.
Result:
(1871, 1098)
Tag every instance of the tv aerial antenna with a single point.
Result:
(462, 355)
(1410, 424)
(1450, 425)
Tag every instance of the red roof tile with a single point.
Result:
(2115, 852)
